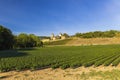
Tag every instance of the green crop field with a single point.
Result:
(59, 57)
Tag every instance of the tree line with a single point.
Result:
(23, 40)
(99, 34)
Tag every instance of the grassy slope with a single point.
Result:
(90, 41)
(59, 42)
(61, 56)
(94, 41)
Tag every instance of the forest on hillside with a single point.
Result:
(99, 34)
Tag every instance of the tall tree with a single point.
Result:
(6, 38)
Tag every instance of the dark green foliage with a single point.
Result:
(6, 38)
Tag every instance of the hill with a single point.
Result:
(84, 41)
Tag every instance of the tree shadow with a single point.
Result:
(26, 49)
(12, 53)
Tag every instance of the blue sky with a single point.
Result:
(43, 17)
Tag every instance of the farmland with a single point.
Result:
(59, 57)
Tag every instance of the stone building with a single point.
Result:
(60, 36)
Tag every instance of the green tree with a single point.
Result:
(6, 38)
(23, 40)
(32, 38)
(95, 34)
(78, 35)
(66, 35)
(35, 40)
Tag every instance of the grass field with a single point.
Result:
(59, 57)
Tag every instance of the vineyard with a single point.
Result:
(59, 57)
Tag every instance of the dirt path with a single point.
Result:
(58, 74)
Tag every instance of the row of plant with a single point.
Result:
(108, 62)
(59, 57)
(100, 62)
(116, 62)
(92, 62)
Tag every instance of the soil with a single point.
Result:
(54, 74)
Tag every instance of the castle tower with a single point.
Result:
(53, 36)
